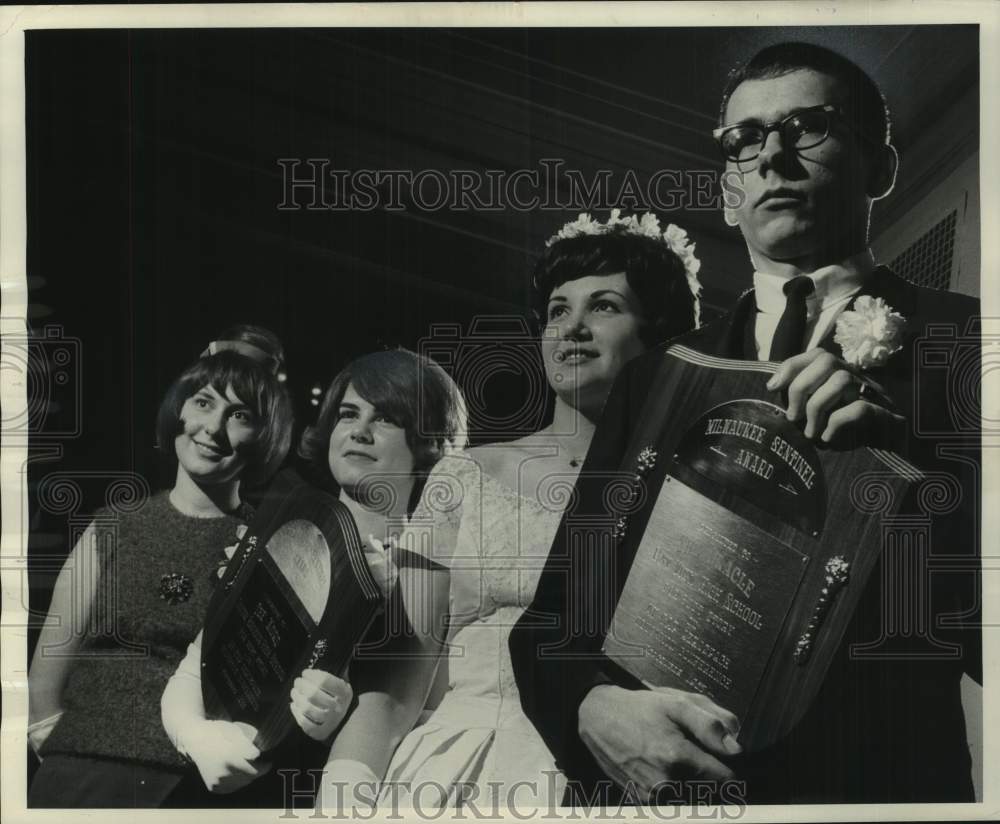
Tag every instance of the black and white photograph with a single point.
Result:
(531, 410)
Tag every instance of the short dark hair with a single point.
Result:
(411, 389)
(864, 103)
(653, 271)
(255, 382)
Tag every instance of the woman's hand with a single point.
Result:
(319, 702)
(647, 737)
(223, 752)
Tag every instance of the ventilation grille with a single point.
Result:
(928, 260)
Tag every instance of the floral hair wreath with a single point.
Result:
(648, 225)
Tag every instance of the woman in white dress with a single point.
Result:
(606, 292)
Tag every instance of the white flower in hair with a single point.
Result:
(646, 226)
(583, 225)
(649, 225)
(677, 239)
(870, 333)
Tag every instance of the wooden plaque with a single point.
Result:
(753, 550)
(297, 593)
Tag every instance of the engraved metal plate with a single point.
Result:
(728, 585)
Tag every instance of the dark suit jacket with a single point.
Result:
(879, 730)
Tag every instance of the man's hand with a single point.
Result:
(824, 389)
(224, 754)
(319, 702)
(650, 736)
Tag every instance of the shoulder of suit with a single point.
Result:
(641, 367)
(711, 330)
(940, 305)
(955, 299)
(938, 301)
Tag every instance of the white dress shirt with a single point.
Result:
(835, 286)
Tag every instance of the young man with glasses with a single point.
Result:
(805, 136)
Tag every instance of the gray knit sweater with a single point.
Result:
(111, 699)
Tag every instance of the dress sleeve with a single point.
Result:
(432, 532)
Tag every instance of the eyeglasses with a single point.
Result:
(803, 129)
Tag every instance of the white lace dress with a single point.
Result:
(477, 744)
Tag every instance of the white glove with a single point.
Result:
(223, 752)
(347, 785)
(40, 730)
(319, 702)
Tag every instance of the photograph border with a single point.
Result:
(16, 21)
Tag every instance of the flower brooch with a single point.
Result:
(176, 588)
(870, 333)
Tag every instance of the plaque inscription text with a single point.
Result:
(704, 604)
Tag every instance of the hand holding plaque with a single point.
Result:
(754, 550)
(223, 753)
(297, 594)
(666, 733)
(319, 702)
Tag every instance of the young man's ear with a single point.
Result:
(732, 197)
(882, 176)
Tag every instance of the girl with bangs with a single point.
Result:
(95, 689)
(385, 421)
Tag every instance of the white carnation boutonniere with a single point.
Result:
(870, 333)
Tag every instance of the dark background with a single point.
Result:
(153, 192)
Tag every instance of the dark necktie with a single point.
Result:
(791, 329)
